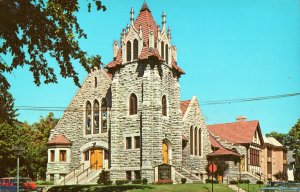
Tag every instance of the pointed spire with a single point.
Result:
(163, 21)
(145, 7)
(131, 15)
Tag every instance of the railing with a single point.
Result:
(189, 169)
(68, 177)
(87, 170)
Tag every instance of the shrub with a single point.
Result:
(161, 182)
(137, 181)
(244, 181)
(104, 178)
(209, 181)
(145, 181)
(183, 180)
(259, 182)
(121, 182)
(45, 183)
(233, 182)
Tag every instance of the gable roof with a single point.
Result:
(214, 142)
(59, 140)
(184, 105)
(241, 132)
(222, 152)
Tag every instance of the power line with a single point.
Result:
(215, 102)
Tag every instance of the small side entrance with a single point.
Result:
(96, 159)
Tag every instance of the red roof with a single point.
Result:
(147, 23)
(222, 152)
(59, 140)
(214, 142)
(184, 105)
(236, 132)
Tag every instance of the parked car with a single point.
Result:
(281, 187)
(9, 184)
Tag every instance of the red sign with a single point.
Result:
(212, 168)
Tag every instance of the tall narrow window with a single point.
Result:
(191, 140)
(95, 81)
(52, 155)
(164, 105)
(133, 104)
(195, 140)
(128, 142)
(162, 50)
(200, 142)
(88, 126)
(135, 49)
(167, 53)
(137, 142)
(103, 116)
(128, 50)
(96, 117)
(62, 155)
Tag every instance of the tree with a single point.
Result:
(222, 167)
(281, 137)
(31, 30)
(281, 175)
(294, 144)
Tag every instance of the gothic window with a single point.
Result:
(128, 50)
(164, 106)
(191, 140)
(167, 54)
(195, 140)
(88, 111)
(96, 117)
(95, 82)
(103, 116)
(200, 142)
(135, 49)
(133, 104)
(162, 50)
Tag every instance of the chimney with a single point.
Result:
(241, 118)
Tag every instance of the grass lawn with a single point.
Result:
(252, 187)
(139, 188)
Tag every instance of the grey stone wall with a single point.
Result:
(193, 117)
(72, 123)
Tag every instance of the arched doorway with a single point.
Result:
(166, 151)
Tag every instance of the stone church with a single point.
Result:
(128, 118)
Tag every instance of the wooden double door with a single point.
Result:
(96, 159)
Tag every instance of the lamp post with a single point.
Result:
(18, 151)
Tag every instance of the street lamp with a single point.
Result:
(18, 151)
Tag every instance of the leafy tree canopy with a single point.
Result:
(31, 30)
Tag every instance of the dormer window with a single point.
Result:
(135, 49)
(128, 50)
(162, 50)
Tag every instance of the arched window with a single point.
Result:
(103, 116)
(133, 104)
(128, 50)
(200, 142)
(195, 140)
(164, 105)
(167, 53)
(162, 50)
(88, 118)
(96, 117)
(135, 49)
(95, 81)
(191, 140)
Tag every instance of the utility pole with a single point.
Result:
(18, 151)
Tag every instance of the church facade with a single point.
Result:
(128, 118)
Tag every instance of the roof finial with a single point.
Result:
(131, 15)
(163, 21)
(145, 7)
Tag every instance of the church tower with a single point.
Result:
(146, 120)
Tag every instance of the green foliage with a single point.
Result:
(222, 166)
(281, 175)
(137, 181)
(259, 182)
(44, 182)
(294, 144)
(35, 31)
(7, 112)
(244, 181)
(121, 182)
(145, 181)
(281, 137)
(104, 178)
(209, 181)
(233, 182)
(183, 180)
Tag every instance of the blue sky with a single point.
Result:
(229, 49)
